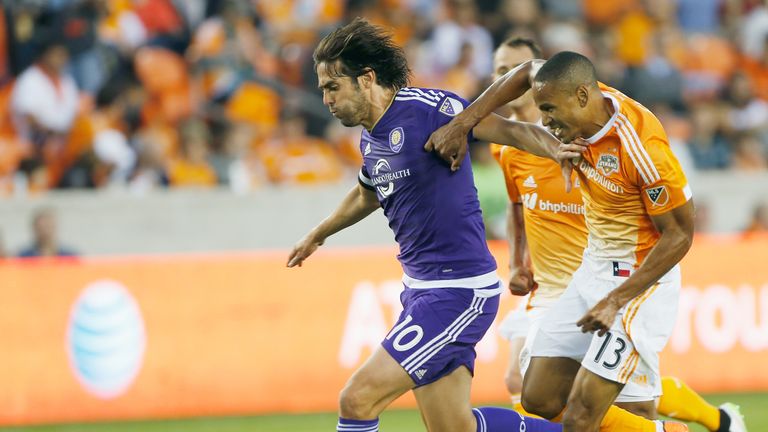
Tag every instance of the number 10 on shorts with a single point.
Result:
(404, 332)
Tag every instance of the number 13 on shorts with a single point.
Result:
(612, 356)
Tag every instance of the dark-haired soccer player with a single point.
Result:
(451, 290)
(618, 310)
(546, 223)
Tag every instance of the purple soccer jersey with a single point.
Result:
(434, 213)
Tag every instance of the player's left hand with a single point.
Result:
(450, 143)
(601, 317)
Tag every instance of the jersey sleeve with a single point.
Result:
(365, 179)
(663, 182)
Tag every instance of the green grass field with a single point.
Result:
(754, 406)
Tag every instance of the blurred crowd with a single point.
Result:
(146, 94)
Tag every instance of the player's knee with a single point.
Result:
(353, 404)
(541, 404)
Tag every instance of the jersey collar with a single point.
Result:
(601, 133)
(384, 113)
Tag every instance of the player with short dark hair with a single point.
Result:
(618, 310)
(546, 225)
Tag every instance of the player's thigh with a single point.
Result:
(445, 404)
(590, 398)
(547, 384)
(378, 382)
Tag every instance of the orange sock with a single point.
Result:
(680, 402)
(617, 419)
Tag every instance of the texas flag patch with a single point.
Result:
(622, 269)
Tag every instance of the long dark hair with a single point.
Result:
(360, 46)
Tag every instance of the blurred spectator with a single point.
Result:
(565, 36)
(242, 171)
(656, 80)
(459, 78)
(78, 23)
(757, 71)
(759, 222)
(45, 242)
(44, 104)
(708, 146)
(749, 154)
(746, 112)
(293, 157)
(45, 97)
(192, 167)
(149, 173)
(4, 59)
(754, 30)
(459, 28)
(699, 16)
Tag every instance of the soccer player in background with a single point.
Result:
(546, 223)
(451, 290)
(618, 311)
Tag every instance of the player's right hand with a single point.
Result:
(303, 249)
(520, 281)
(450, 143)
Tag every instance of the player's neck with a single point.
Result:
(603, 111)
(527, 113)
(381, 99)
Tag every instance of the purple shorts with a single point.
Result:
(438, 329)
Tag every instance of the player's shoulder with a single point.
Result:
(430, 99)
(632, 112)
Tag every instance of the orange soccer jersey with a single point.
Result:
(628, 174)
(554, 219)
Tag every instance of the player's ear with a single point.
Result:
(582, 95)
(367, 78)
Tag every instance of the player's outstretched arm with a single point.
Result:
(520, 275)
(676, 228)
(359, 203)
(450, 141)
(528, 137)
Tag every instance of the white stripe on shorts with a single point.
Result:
(450, 334)
(473, 282)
